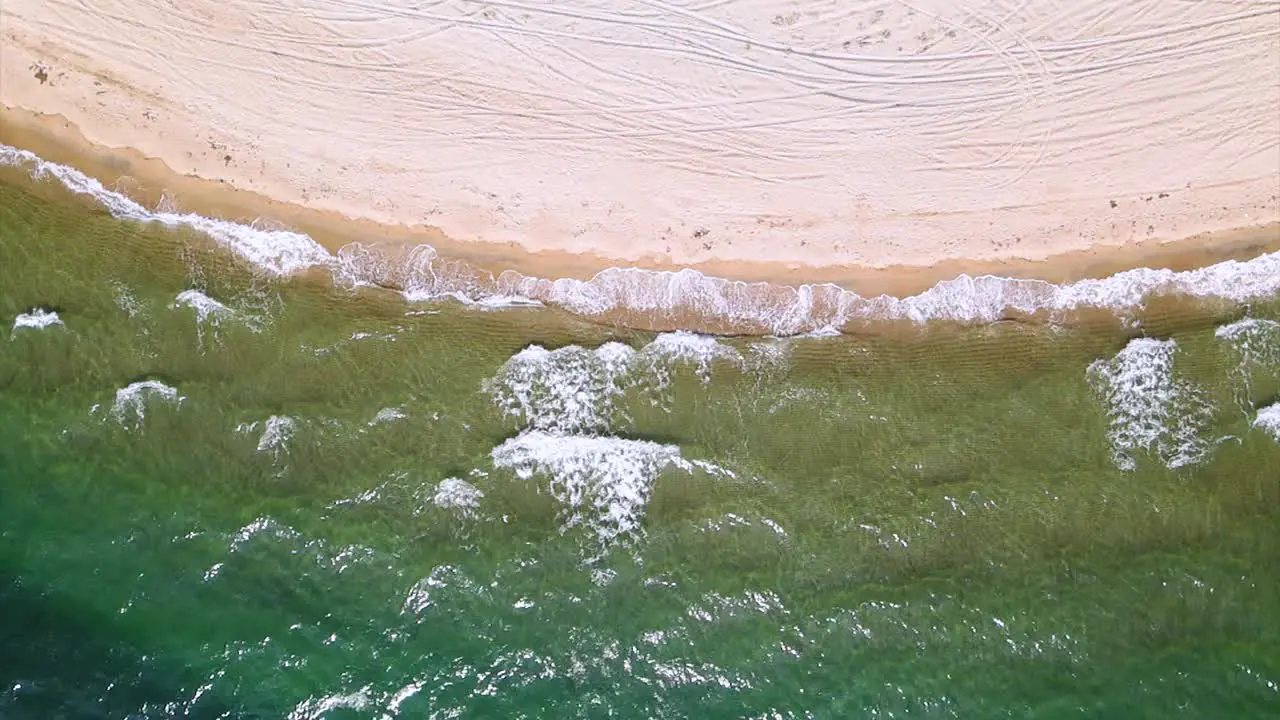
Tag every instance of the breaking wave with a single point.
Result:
(685, 298)
(1268, 419)
(1149, 408)
(570, 403)
(37, 319)
(131, 403)
(602, 483)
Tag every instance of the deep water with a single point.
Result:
(224, 494)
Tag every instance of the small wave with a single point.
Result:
(388, 415)
(132, 401)
(37, 319)
(278, 431)
(575, 389)
(1257, 344)
(426, 592)
(265, 533)
(570, 389)
(457, 494)
(822, 309)
(207, 309)
(1268, 419)
(314, 708)
(603, 483)
(263, 526)
(684, 298)
(1256, 339)
(1150, 409)
(684, 346)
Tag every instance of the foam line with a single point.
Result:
(684, 297)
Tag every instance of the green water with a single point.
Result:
(925, 523)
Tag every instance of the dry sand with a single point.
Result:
(802, 135)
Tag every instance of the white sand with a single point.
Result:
(813, 133)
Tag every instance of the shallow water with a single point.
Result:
(225, 493)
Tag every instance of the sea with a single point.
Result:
(244, 477)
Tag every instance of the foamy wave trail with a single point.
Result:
(37, 319)
(1150, 409)
(279, 252)
(685, 298)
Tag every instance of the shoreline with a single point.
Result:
(661, 301)
(752, 140)
(148, 180)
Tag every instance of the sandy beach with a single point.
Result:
(760, 139)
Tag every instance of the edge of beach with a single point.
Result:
(148, 180)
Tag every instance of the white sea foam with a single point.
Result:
(37, 319)
(364, 497)
(265, 526)
(1150, 409)
(1257, 343)
(816, 310)
(820, 308)
(132, 401)
(734, 520)
(603, 483)
(279, 252)
(126, 301)
(685, 296)
(710, 468)
(276, 434)
(401, 695)
(567, 399)
(207, 309)
(576, 390)
(425, 592)
(1256, 339)
(388, 415)
(1268, 419)
(570, 389)
(314, 708)
(457, 494)
(767, 355)
(685, 347)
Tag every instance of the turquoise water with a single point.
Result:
(227, 494)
